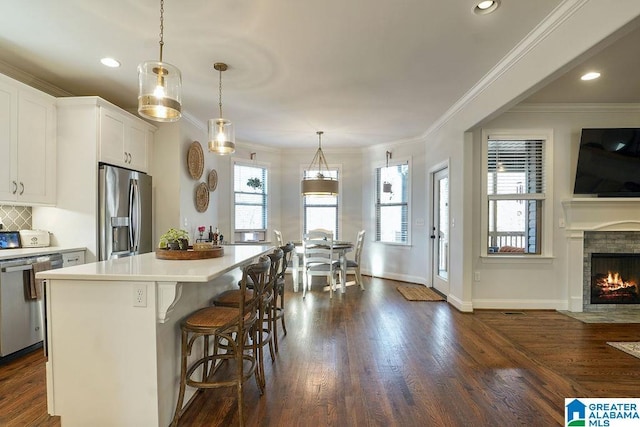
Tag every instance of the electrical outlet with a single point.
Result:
(476, 276)
(139, 295)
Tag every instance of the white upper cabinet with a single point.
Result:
(123, 140)
(27, 145)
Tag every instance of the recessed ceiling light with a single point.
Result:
(592, 75)
(110, 62)
(486, 6)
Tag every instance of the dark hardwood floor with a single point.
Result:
(373, 358)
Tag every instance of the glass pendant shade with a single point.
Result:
(221, 136)
(159, 91)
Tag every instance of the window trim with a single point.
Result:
(395, 162)
(251, 163)
(546, 236)
(332, 166)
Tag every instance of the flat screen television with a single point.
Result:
(609, 163)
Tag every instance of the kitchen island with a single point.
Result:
(113, 333)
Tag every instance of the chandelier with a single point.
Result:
(317, 180)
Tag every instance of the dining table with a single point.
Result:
(342, 247)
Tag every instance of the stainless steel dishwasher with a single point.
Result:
(22, 320)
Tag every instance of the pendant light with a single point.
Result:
(321, 184)
(386, 185)
(160, 86)
(222, 139)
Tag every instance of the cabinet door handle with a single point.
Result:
(125, 157)
(21, 189)
(15, 187)
(129, 158)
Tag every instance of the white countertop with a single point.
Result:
(27, 252)
(146, 267)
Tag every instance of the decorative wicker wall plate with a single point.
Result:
(213, 180)
(202, 197)
(195, 160)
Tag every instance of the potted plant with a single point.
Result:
(254, 183)
(174, 239)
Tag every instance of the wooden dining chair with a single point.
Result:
(353, 265)
(319, 259)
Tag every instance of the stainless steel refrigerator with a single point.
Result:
(124, 198)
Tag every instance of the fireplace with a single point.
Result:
(615, 278)
(599, 226)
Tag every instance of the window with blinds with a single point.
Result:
(516, 195)
(321, 211)
(250, 187)
(392, 203)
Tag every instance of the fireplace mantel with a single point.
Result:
(592, 214)
(596, 213)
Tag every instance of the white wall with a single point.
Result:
(510, 283)
(294, 161)
(268, 157)
(174, 188)
(549, 48)
(410, 263)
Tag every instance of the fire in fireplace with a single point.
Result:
(615, 278)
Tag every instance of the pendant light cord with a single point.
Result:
(161, 27)
(220, 92)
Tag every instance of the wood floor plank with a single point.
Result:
(374, 359)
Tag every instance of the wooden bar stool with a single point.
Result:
(264, 324)
(278, 299)
(232, 331)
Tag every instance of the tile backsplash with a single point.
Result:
(15, 217)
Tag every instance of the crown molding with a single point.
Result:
(576, 108)
(34, 82)
(556, 18)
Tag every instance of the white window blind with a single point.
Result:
(392, 203)
(516, 194)
(515, 167)
(250, 202)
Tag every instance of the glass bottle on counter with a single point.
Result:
(211, 233)
(215, 236)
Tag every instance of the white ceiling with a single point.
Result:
(363, 71)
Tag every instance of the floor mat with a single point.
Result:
(419, 293)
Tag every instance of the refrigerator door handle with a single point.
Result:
(133, 217)
(138, 212)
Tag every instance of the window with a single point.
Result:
(321, 211)
(515, 191)
(392, 203)
(250, 186)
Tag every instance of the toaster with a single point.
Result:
(34, 238)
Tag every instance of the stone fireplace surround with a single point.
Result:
(597, 225)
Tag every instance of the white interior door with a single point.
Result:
(440, 231)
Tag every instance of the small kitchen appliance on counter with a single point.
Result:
(34, 238)
(9, 239)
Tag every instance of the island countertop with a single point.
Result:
(123, 316)
(146, 267)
